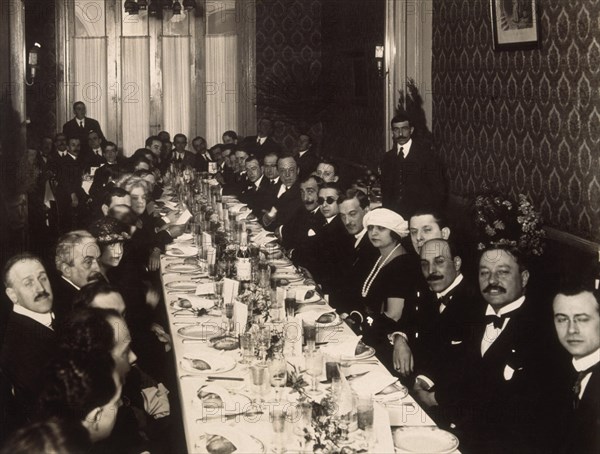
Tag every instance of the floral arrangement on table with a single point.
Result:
(325, 432)
(258, 301)
(506, 223)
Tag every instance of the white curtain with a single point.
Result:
(222, 94)
(176, 69)
(395, 58)
(90, 85)
(135, 93)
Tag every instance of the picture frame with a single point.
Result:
(515, 24)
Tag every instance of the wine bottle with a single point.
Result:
(243, 264)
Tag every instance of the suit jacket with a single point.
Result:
(72, 130)
(90, 160)
(504, 402)
(68, 176)
(64, 297)
(582, 433)
(417, 181)
(298, 238)
(288, 206)
(438, 339)
(307, 163)
(202, 163)
(27, 347)
(251, 146)
(259, 200)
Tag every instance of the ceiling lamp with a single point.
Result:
(176, 7)
(189, 5)
(167, 4)
(154, 8)
(142, 4)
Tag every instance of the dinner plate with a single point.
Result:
(336, 322)
(424, 439)
(200, 331)
(182, 286)
(218, 363)
(243, 442)
(183, 268)
(369, 353)
(288, 277)
(236, 404)
(279, 263)
(184, 251)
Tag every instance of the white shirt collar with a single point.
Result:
(302, 153)
(330, 219)
(508, 308)
(261, 140)
(457, 281)
(98, 151)
(78, 288)
(44, 319)
(72, 156)
(257, 182)
(405, 147)
(81, 122)
(586, 362)
(62, 154)
(276, 179)
(359, 236)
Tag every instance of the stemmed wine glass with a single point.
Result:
(229, 315)
(278, 374)
(264, 342)
(314, 368)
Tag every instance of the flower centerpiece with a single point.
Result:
(258, 301)
(502, 222)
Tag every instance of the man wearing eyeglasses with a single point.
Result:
(411, 176)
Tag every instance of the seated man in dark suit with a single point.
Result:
(94, 158)
(80, 126)
(299, 235)
(577, 323)
(442, 319)
(29, 341)
(257, 194)
(262, 143)
(76, 261)
(503, 401)
(203, 158)
(353, 206)
(288, 202)
(110, 170)
(180, 155)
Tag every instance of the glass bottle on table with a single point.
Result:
(243, 264)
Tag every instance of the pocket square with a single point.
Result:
(311, 232)
(455, 342)
(508, 372)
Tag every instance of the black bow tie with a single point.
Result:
(497, 320)
(445, 300)
(577, 386)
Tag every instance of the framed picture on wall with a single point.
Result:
(514, 24)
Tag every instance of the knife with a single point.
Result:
(210, 377)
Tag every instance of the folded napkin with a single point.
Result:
(168, 204)
(343, 347)
(199, 302)
(184, 217)
(184, 248)
(373, 382)
(156, 402)
(205, 288)
(183, 238)
(230, 289)
(263, 237)
(240, 317)
(237, 207)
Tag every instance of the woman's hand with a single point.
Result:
(403, 357)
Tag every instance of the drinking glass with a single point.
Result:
(314, 368)
(310, 334)
(229, 316)
(264, 341)
(290, 303)
(247, 347)
(278, 418)
(365, 412)
(259, 376)
(219, 292)
(278, 374)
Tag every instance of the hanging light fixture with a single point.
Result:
(154, 8)
(129, 6)
(176, 7)
(167, 4)
(189, 5)
(142, 4)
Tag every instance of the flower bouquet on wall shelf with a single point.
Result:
(502, 222)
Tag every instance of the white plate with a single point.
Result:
(244, 443)
(424, 439)
(218, 363)
(236, 404)
(313, 299)
(369, 353)
(183, 251)
(182, 286)
(183, 268)
(200, 332)
(288, 277)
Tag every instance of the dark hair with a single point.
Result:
(178, 135)
(231, 134)
(286, 155)
(54, 435)
(129, 218)
(333, 186)
(199, 138)
(363, 199)
(163, 133)
(573, 286)
(141, 159)
(332, 163)
(76, 103)
(270, 153)
(109, 144)
(317, 179)
(437, 214)
(400, 118)
(108, 230)
(11, 262)
(87, 331)
(252, 157)
(90, 291)
(75, 385)
(114, 192)
(519, 257)
(151, 139)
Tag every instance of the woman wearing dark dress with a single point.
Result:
(389, 286)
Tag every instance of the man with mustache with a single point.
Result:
(29, 340)
(503, 398)
(76, 261)
(443, 319)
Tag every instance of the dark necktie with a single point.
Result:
(444, 300)
(577, 386)
(81, 125)
(497, 320)
(401, 154)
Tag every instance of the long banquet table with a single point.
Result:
(197, 422)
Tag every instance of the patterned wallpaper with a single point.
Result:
(522, 121)
(288, 36)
